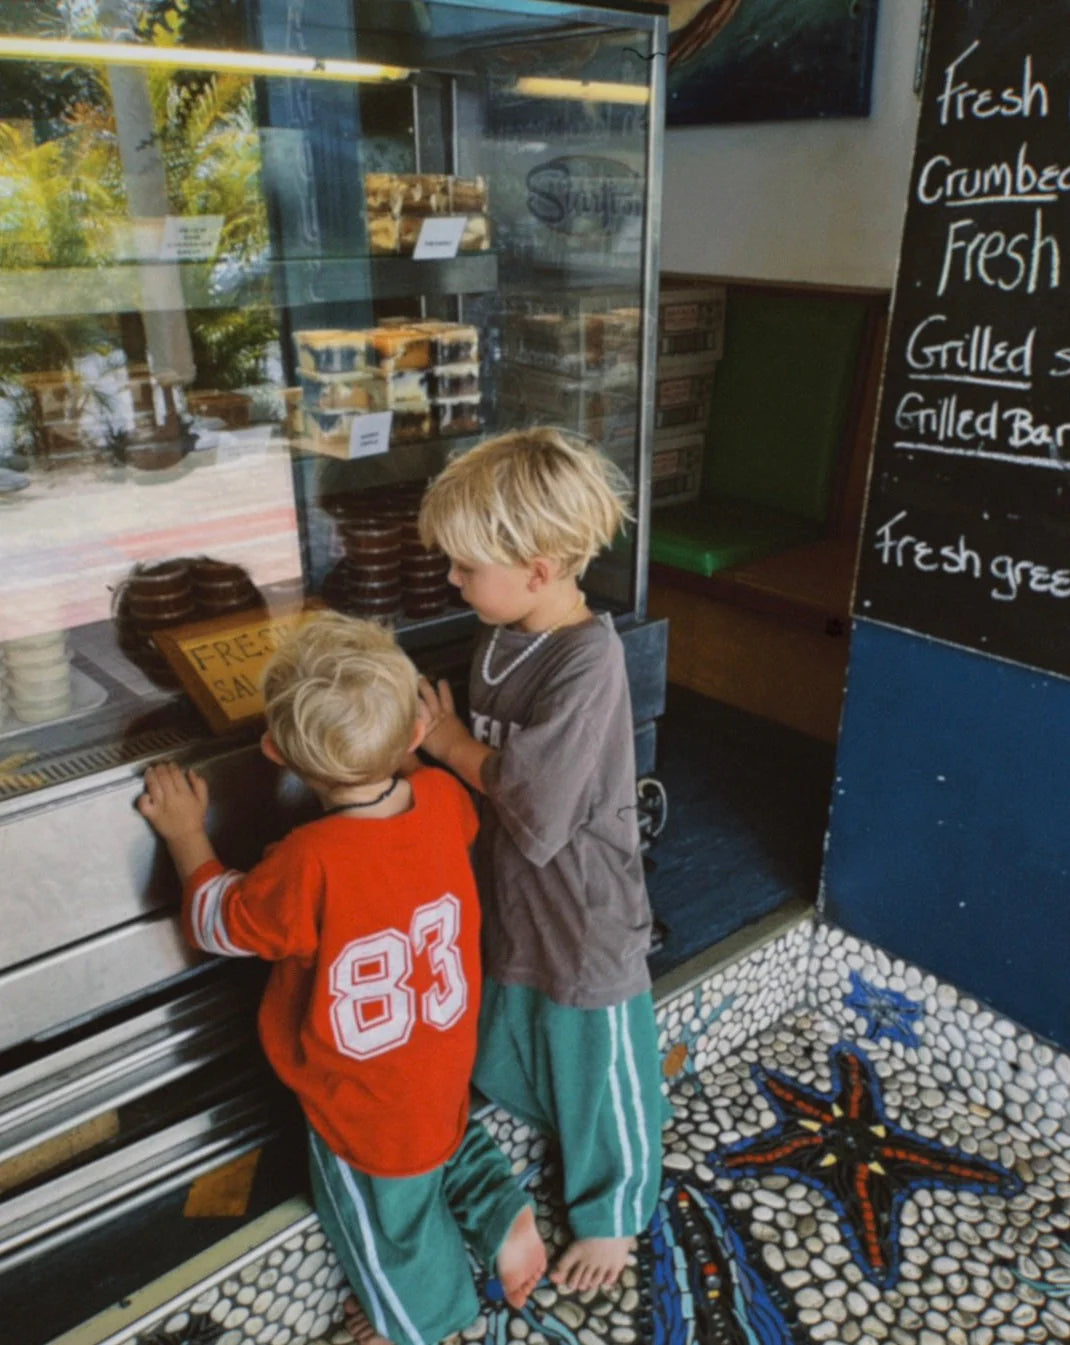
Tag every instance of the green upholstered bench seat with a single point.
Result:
(708, 535)
(780, 404)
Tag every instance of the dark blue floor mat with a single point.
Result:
(748, 807)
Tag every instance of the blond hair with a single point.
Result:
(341, 700)
(534, 492)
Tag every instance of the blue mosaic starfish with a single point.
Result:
(887, 1012)
(844, 1145)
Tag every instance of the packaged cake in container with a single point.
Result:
(454, 380)
(457, 415)
(468, 195)
(425, 193)
(384, 235)
(336, 392)
(382, 193)
(411, 424)
(476, 236)
(395, 348)
(398, 388)
(330, 351)
(452, 343)
(328, 431)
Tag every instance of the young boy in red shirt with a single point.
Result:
(371, 918)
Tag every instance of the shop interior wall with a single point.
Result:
(948, 833)
(818, 201)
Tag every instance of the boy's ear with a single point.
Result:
(419, 733)
(541, 572)
(267, 746)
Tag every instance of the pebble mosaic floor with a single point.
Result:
(859, 1154)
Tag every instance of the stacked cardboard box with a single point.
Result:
(690, 343)
(577, 368)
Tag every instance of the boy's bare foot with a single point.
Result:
(359, 1327)
(592, 1263)
(521, 1262)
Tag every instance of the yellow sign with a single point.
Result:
(221, 662)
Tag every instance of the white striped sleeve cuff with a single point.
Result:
(206, 915)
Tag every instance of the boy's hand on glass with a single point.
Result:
(443, 725)
(175, 801)
(447, 738)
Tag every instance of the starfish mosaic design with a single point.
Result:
(730, 1302)
(888, 1013)
(844, 1145)
(697, 1285)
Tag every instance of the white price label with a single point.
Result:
(191, 238)
(370, 434)
(440, 236)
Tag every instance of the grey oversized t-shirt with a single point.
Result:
(565, 907)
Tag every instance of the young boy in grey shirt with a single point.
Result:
(567, 1039)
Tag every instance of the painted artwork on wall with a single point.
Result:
(769, 60)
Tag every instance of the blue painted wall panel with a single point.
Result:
(950, 831)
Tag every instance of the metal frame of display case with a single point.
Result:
(90, 921)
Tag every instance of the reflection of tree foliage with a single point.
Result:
(63, 196)
(211, 149)
(230, 344)
(61, 178)
(31, 346)
(206, 128)
(205, 23)
(62, 186)
(29, 89)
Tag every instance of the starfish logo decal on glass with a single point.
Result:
(844, 1145)
(887, 1012)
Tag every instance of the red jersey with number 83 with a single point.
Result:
(370, 1011)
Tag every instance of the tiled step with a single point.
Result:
(859, 1154)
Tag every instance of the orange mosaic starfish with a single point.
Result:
(844, 1144)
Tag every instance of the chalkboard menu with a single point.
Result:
(967, 534)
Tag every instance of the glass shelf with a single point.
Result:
(58, 292)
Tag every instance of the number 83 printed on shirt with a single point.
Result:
(370, 1011)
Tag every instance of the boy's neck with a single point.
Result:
(380, 798)
(560, 603)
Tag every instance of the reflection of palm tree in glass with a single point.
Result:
(693, 24)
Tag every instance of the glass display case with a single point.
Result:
(264, 265)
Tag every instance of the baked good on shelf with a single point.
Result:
(330, 351)
(457, 415)
(476, 236)
(383, 193)
(398, 388)
(383, 234)
(468, 195)
(455, 380)
(454, 343)
(327, 431)
(395, 348)
(409, 227)
(336, 392)
(425, 193)
(406, 193)
(410, 424)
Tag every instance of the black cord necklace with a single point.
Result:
(365, 803)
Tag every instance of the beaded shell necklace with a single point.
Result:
(496, 679)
